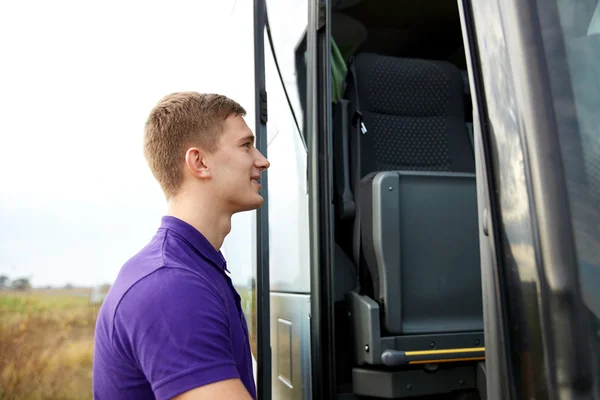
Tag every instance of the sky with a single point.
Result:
(77, 81)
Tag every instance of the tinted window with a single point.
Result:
(573, 54)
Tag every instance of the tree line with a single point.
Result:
(15, 284)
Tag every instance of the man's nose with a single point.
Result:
(262, 163)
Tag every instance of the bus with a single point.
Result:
(431, 221)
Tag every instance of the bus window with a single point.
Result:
(286, 34)
(579, 132)
(288, 198)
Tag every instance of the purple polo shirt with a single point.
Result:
(171, 322)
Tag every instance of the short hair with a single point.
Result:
(181, 120)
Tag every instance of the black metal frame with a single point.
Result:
(262, 214)
(320, 199)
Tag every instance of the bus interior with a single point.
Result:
(408, 297)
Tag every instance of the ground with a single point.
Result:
(46, 344)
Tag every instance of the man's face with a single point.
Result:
(236, 166)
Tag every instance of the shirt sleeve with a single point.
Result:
(175, 328)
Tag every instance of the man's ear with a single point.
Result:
(195, 160)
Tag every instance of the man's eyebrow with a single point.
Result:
(249, 138)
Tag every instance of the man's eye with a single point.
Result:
(247, 144)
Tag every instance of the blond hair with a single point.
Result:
(179, 121)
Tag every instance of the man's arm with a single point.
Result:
(232, 389)
(175, 326)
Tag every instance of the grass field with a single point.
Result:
(46, 344)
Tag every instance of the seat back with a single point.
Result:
(413, 111)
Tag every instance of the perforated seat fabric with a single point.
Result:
(414, 113)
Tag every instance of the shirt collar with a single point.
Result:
(195, 239)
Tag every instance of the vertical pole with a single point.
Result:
(262, 214)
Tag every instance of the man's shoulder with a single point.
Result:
(149, 278)
(157, 267)
(158, 277)
(154, 298)
(165, 285)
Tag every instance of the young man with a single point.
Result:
(172, 325)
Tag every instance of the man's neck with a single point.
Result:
(213, 224)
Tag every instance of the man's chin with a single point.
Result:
(254, 204)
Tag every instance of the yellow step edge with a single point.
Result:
(444, 360)
(448, 351)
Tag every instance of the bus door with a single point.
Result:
(283, 246)
(534, 70)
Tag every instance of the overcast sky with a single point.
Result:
(77, 80)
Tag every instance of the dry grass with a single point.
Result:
(46, 345)
(249, 304)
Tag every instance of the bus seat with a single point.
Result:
(408, 181)
(421, 245)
